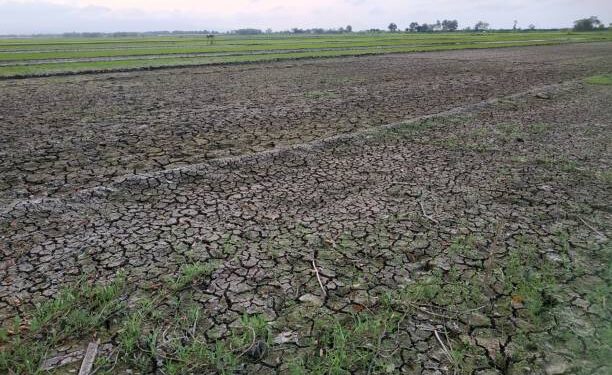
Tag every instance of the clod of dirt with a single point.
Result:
(311, 299)
(556, 365)
(286, 337)
(542, 95)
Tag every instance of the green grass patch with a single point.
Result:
(75, 312)
(345, 344)
(78, 313)
(603, 79)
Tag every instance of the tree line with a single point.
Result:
(295, 30)
(444, 25)
(585, 24)
(589, 24)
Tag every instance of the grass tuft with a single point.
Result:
(603, 79)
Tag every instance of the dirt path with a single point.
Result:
(60, 135)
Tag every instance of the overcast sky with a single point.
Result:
(56, 16)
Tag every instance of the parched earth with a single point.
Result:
(59, 135)
(474, 240)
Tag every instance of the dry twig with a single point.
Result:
(252, 343)
(591, 228)
(110, 371)
(422, 309)
(195, 324)
(425, 213)
(446, 351)
(314, 266)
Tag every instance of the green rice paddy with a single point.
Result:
(51, 56)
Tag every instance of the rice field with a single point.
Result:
(25, 57)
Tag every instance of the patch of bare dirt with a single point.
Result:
(485, 230)
(60, 135)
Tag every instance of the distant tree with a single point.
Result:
(515, 23)
(450, 25)
(269, 31)
(123, 34)
(247, 31)
(532, 27)
(392, 27)
(424, 28)
(586, 24)
(436, 26)
(481, 25)
(414, 26)
(348, 28)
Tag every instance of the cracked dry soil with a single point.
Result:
(471, 242)
(59, 135)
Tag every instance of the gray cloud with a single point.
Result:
(45, 17)
(19, 17)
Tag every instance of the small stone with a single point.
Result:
(542, 95)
